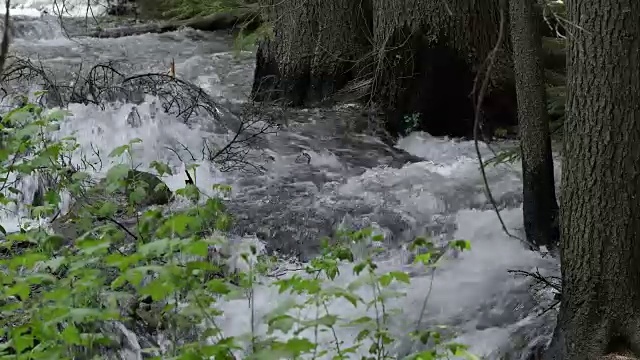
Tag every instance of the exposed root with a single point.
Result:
(105, 83)
(542, 283)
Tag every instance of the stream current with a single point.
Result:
(421, 186)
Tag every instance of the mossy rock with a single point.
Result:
(84, 212)
(157, 192)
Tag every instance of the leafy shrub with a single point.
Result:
(61, 297)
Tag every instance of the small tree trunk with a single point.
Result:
(540, 207)
(600, 212)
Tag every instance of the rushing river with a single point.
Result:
(423, 185)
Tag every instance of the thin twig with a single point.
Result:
(124, 228)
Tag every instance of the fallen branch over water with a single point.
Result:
(220, 21)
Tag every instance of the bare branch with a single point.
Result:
(105, 83)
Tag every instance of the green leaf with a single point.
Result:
(20, 289)
(197, 248)
(297, 346)
(138, 195)
(357, 269)
(218, 286)
(52, 197)
(385, 280)
(327, 320)
(190, 191)
(108, 209)
(161, 168)
(156, 247)
(180, 223)
(426, 355)
(158, 289)
(55, 262)
(71, 335)
(120, 150)
(53, 242)
(223, 222)
(22, 341)
(420, 242)
(282, 323)
(84, 315)
(118, 173)
(461, 245)
(378, 238)
(423, 258)
(401, 276)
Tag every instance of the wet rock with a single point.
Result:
(157, 192)
(133, 119)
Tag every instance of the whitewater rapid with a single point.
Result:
(441, 193)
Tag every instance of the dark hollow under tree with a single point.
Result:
(430, 54)
(416, 57)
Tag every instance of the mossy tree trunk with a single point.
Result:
(600, 210)
(314, 51)
(539, 196)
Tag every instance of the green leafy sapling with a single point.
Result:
(169, 270)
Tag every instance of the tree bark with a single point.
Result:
(540, 208)
(412, 57)
(600, 210)
(314, 51)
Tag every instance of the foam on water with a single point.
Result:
(460, 286)
(471, 292)
(75, 8)
(99, 131)
(476, 281)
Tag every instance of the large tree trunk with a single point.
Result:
(314, 51)
(413, 57)
(428, 54)
(600, 212)
(540, 207)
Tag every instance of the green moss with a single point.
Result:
(185, 9)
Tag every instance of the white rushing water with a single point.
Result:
(58, 7)
(489, 309)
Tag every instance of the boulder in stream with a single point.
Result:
(83, 214)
